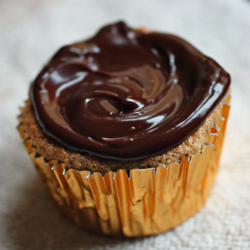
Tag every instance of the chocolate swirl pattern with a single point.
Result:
(126, 95)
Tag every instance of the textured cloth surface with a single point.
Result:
(31, 31)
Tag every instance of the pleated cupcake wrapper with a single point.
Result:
(136, 202)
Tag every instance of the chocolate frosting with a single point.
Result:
(125, 94)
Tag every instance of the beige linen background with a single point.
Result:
(31, 31)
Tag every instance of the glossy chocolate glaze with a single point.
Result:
(126, 95)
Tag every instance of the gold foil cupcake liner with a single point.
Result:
(137, 202)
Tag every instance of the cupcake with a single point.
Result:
(126, 129)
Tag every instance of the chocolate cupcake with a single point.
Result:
(126, 129)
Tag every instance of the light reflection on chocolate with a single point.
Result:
(126, 95)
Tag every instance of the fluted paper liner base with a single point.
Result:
(146, 202)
